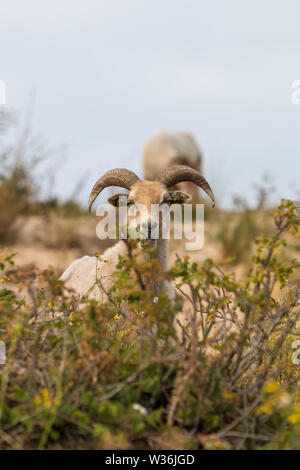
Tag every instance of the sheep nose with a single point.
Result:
(149, 226)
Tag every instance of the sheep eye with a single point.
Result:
(167, 200)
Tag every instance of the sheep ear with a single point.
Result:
(118, 200)
(179, 197)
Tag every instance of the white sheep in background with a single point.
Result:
(81, 277)
(166, 149)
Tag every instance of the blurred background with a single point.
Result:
(98, 78)
(88, 82)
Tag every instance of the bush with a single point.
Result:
(237, 241)
(19, 189)
(86, 377)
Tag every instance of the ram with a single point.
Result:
(166, 149)
(90, 276)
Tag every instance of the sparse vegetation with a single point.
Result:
(19, 188)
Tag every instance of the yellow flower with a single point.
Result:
(46, 398)
(209, 318)
(37, 400)
(97, 254)
(57, 401)
(2, 280)
(50, 304)
(294, 418)
(230, 396)
(45, 393)
(293, 230)
(297, 407)
(47, 404)
(116, 317)
(271, 387)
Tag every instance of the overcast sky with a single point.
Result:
(108, 74)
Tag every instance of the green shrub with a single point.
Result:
(88, 377)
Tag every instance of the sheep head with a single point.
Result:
(147, 193)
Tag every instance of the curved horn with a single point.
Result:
(116, 177)
(179, 173)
